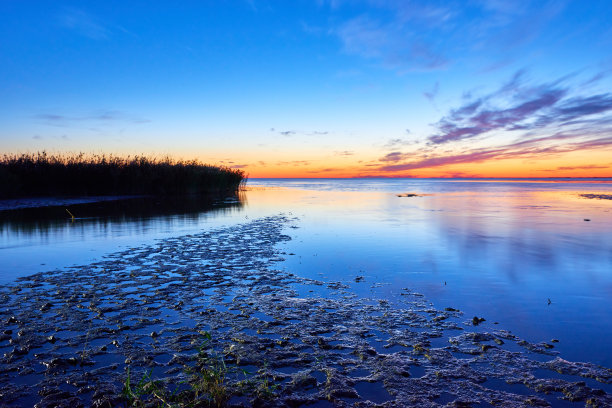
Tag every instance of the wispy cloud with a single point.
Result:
(300, 132)
(545, 120)
(586, 167)
(344, 153)
(405, 35)
(388, 42)
(517, 106)
(84, 24)
(397, 143)
(100, 117)
(520, 150)
(431, 94)
(294, 163)
(327, 170)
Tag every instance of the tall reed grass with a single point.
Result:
(42, 174)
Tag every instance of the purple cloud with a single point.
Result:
(393, 157)
(481, 116)
(521, 149)
(587, 167)
(514, 107)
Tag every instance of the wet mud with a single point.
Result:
(68, 337)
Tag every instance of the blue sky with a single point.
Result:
(315, 88)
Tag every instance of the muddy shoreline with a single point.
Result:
(69, 336)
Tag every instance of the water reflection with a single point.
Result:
(38, 239)
(135, 210)
(493, 249)
(490, 248)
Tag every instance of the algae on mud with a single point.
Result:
(70, 336)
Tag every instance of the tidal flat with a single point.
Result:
(311, 316)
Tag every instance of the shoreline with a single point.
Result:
(315, 341)
(45, 202)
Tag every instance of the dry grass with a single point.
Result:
(41, 174)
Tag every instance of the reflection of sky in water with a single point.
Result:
(503, 248)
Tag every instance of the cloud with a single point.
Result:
(397, 143)
(239, 166)
(525, 149)
(364, 37)
(519, 107)
(426, 35)
(578, 107)
(327, 170)
(394, 157)
(431, 95)
(98, 117)
(344, 153)
(296, 132)
(84, 24)
(587, 167)
(294, 163)
(389, 42)
(461, 174)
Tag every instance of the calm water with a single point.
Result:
(496, 249)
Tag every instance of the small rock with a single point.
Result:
(477, 320)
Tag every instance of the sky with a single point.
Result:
(315, 88)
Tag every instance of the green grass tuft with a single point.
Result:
(210, 383)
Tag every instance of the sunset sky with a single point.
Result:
(315, 88)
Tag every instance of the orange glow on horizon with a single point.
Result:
(312, 163)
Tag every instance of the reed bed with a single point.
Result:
(42, 174)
